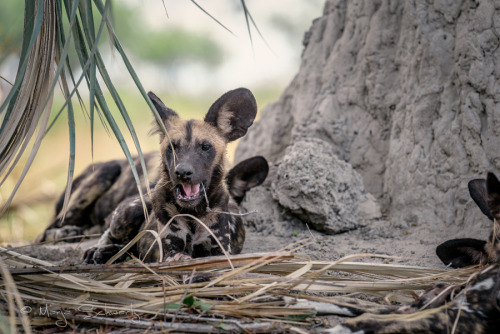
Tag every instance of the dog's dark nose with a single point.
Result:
(184, 172)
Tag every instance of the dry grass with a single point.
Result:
(260, 294)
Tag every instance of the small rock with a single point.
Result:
(322, 190)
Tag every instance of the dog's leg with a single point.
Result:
(175, 245)
(176, 240)
(124, 224)
(205, 245)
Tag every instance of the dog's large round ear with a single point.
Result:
(164, 112)
(244, 176)
(233, 113)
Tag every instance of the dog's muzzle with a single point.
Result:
(188, 192)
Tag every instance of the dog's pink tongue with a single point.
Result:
(191, 189)
(195, 189)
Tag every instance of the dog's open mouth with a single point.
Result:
(188, 192)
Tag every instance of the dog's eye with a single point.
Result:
(172, 145)
(206, 147)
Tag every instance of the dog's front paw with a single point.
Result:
(88, 256)
(69, 233)
(178, 257)
(101, 255)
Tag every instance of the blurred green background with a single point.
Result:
(181, 54)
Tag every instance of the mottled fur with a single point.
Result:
(473, 310)
(95, 193)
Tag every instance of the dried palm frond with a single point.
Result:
(278, 289)
(30, 97)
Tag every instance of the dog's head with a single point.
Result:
(193, 152)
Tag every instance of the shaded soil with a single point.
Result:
(413, 245)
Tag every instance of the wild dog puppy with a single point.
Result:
(473, 309)
(193, 185)
(465, 252)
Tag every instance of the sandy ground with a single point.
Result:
(412, 245)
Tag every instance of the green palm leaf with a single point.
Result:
(44, 20)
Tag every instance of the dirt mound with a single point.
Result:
(403, 91)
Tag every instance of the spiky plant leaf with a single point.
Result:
(44, 19)
(27, 106)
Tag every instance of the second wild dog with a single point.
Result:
(465, 252)
(473, 308)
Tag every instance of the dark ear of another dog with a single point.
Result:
(493, 189)
(459, 253)
(165, 113)
(233, 113)
(246, 175)
(465, 252)
(479, 193)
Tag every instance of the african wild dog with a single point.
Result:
(191, 178)
(447, 309)
(464, 252)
